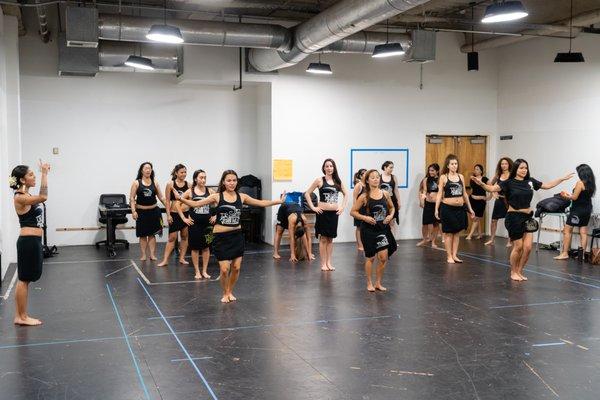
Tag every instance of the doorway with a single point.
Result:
(470, 150)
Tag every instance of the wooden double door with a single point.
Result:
(470, 150)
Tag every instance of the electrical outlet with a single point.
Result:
(55, 150)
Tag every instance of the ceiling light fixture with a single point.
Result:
(319, 68)
(570, 57)
(165, 33)
(472, 56)
(139, 62)
(502, 11)
(387, 49)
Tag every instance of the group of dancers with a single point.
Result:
(207, 221)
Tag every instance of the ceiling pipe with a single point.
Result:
(364, 42)
(337, 22)
(43, 23)
(585, 19)
(235, 6)
(166, 59)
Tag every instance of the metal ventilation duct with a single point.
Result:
(337, 22)
(208, 33)
(166, 59)
(364, 42)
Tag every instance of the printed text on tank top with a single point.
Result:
(205, 209)
(146, 193)
(453, 189)
(229, 213)
(328, 193)
(180, 189)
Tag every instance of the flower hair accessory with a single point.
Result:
(12, 180)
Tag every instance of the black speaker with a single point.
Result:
(473, 61)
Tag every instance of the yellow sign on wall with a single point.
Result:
(282, 170)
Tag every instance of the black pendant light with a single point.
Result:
(388, 49)
(472, 56)
(319, 68)
(502, 11)
(570, 57)
(139, 62)
(165, 33)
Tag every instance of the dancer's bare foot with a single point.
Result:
(324, 268)
(205, 275)
(423, 242)
(162, 264)
(458, 260)
(276, 256)
(331, 267)
(143, 258)
(380, 288)
(468, 238)
(312, 257)
(562, 256)
(183, 262)
(370, 287)
(478, 237)
(523, 277)
(434, 245)
(153, 258)
(515, 277)
(225, 299)
(27, 321)
(198, 276)
(232, 297)
(450, 261)
(489, 242)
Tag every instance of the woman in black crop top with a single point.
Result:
(389, 183)
(144, 209)
(375, 209)
(580, 212)
(29, 244)
(478, 199)
(199, 230)
(427, 196)
(328, 210)
(451, 206)
(518, 190)
(228, 242)
(177, 215)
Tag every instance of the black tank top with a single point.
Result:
(477, 190)
(453, 189)
(432, 185)
(200, 215)
(378, 209)
(34, 218)
(499, 181)
(145, 195)
(228, 214)
(328, 193)
(584, 201)
(388, 186)
(180, 189)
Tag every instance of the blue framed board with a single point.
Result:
(373, 158)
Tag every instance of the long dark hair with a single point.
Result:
(175, 171)
(358, 174)
(336, 178)
(139, 174)
(18, 173)
(586, 175)
(449, 158)
(196, 173)
(222, 181)
(435, 166)
(515, 167)
(499, 166)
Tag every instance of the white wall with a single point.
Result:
(10, 146)
(106, 126)
(550, 109)
(378, 104)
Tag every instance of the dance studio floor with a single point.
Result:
(123, 329)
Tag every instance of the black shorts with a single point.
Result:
(515, 224)
(326, 224)
(478, 207)
(149, 222)
(177, 223)
(283, 222)
(454, 218)
(29, 258)
(429, 214)
(199, 236)
(500, 209)
(579, 217)
(228, 245)
(376, 239)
